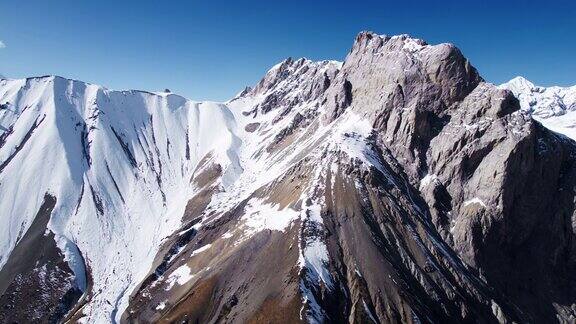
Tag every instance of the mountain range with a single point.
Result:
(396, 186)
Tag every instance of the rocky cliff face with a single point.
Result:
(396, 186)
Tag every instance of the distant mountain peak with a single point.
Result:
(543, 101)
(554, 107)
(521, 82)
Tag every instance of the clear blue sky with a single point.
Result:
(210, 49)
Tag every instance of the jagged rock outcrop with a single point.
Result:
(291, 83)
(395, 187)
(405, 87)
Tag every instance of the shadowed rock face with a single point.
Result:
(396, 187)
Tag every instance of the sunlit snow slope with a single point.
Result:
(118, 164)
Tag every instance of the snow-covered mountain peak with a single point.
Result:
(520, 83)
(554, 107)
(542, 101)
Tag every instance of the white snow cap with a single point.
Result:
(554, 107)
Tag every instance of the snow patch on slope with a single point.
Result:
(260, 216)
(474, 200)
(200, 250)
(180, 276)
(427, 180)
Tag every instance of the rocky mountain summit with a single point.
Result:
(394, 187)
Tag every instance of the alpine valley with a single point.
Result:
(394, 187)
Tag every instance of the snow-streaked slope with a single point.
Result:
(554, 107)
(261, 162)
(278, 121)
(119, 164)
